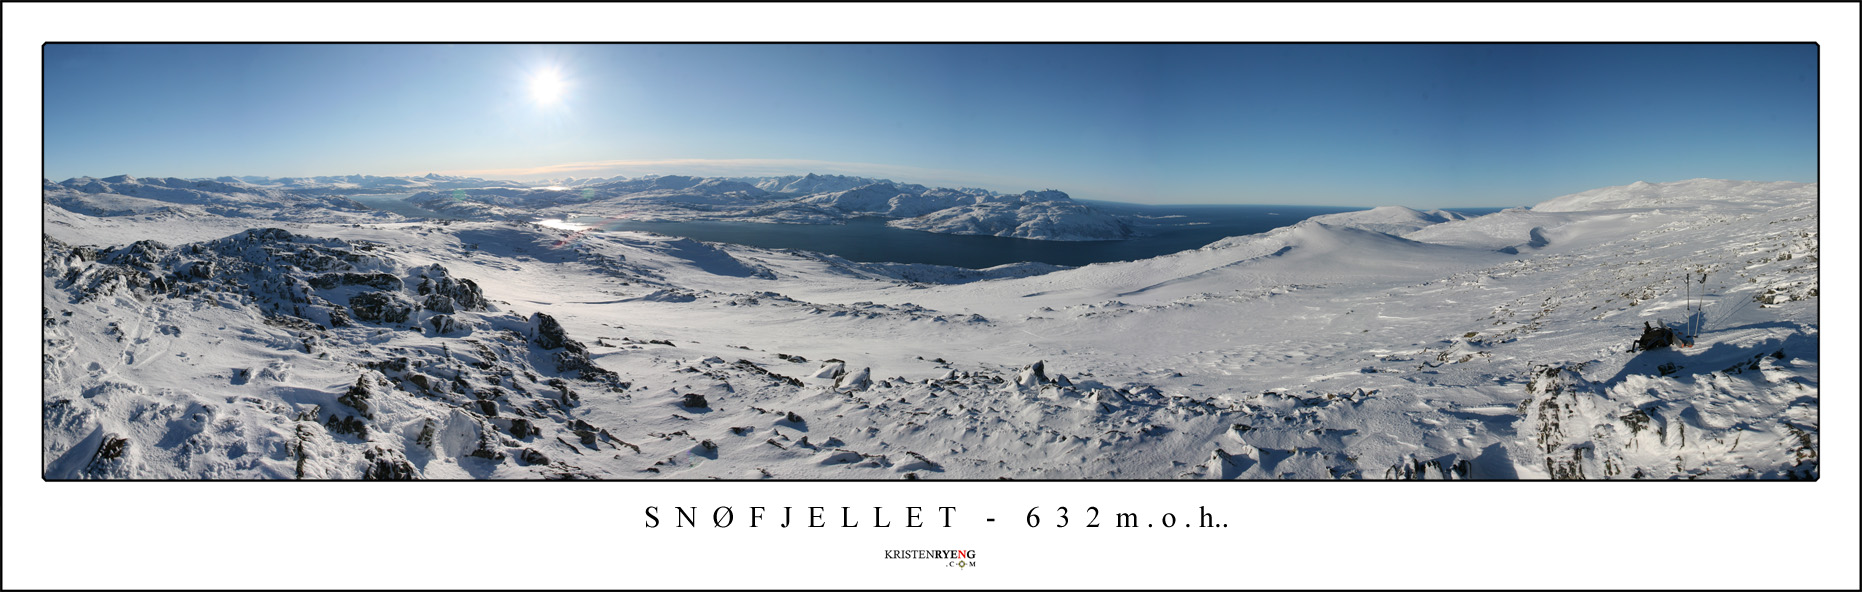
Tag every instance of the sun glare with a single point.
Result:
(546, 87)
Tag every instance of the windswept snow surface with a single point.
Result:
(220, 335)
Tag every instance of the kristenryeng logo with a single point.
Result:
(952, 557)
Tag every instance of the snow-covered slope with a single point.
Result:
(1395, 220)
(1643, 194)
(1492, 347)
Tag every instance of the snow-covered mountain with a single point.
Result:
(830, 199)
(351, 184)
(1392, 343)
(123, 194)
(810, 199)
(1042, 215)
(817, 199)
(809, 184)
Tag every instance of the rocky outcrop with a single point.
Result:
(379, 281)
(381, 307)
(545, 333)
(357, 397)
(464, 293)
(442, 324)
(1551, 420)
(387, 464)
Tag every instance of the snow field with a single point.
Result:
(1493, 347)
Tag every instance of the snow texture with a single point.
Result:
(253, 328)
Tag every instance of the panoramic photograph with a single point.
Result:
(926, 261)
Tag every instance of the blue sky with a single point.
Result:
(1335, 124)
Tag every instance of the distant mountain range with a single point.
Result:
(806, 199)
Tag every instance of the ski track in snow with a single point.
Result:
(1491, 347)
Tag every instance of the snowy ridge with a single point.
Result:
(1396, 220)
(1643, 194)
(810, 199)
(1495, 347)
(809, 184)
(1040, 215)
(123, 194)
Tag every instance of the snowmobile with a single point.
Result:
(1660, 336)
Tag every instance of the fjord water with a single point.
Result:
(1165, 229)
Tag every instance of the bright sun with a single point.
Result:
(546, 87)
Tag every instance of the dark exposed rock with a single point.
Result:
(358, 396)
(695, 400)
(438, 303)
(442, 324)
(520, 428)
(347, 424)
(566, 394)
(427, 432)
(464, 293)
(1414, 469)
(1551, 420)
(142, 254)
(752, 367)
(485, 451)
(388, 465)
(1636, 420)
(379, 281)
(545, 332)
(396, 364)
(1033, 375)
(269, 235)
(383, 307)
(200, 270)
(530, 456)
(112, 447)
